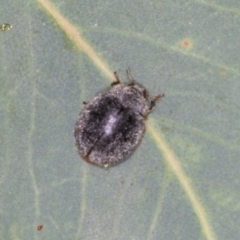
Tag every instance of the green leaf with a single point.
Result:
(182, 181)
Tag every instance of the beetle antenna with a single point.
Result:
(130, 78)
(117, 80)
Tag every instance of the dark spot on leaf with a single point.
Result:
(186, 43)
(40, 227)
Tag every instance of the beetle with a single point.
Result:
(112, 124)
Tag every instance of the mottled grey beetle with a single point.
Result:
(112, 124)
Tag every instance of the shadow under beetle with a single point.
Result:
(112, 124)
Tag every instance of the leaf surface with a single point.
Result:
(182, 182)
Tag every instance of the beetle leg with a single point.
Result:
(154, 99)
(145, 94)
